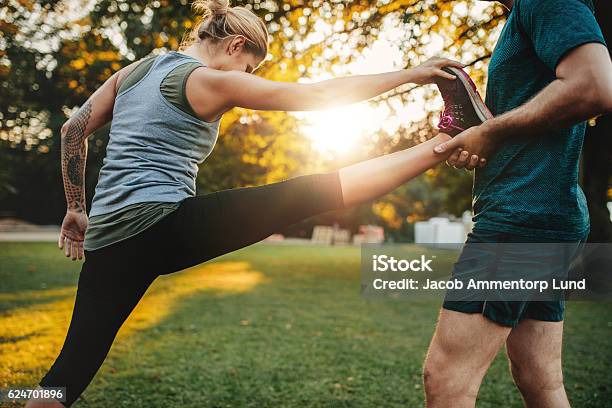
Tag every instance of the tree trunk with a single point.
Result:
(594, 262)
(597, 153)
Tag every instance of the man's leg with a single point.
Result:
(535, 345)
(534, 351)
(461, 350)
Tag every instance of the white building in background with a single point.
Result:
(369, 234)
(441, 230)
(322, 234)
(326, 235)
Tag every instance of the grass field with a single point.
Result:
(268, 326)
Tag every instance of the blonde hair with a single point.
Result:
(219, 21)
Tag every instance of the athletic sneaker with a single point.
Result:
(463, 106)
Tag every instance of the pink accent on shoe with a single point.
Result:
(446, 122)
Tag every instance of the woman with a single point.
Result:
(146, 221)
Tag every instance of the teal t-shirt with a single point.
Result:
(530, 186)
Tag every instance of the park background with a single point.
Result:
(54, 54)
(292, 315)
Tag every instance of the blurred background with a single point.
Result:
(271, 325)
(54, 54)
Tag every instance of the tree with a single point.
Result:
(52, 58)
(597, 155)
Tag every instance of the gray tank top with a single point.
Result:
(154, 148)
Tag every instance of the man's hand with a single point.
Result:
(72, 234)
(471, 148)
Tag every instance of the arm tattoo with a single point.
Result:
(74, 155)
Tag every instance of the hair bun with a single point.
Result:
(214, 7)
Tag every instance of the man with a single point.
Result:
(550, 71)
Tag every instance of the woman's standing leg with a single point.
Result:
(111, 283)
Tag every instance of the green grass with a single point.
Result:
(268, 326)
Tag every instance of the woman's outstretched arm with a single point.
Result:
(212, 92)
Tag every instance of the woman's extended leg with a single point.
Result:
(373, 178)
(208, 226)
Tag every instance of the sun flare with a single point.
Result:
(340, 130)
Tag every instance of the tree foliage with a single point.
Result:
(54, 54)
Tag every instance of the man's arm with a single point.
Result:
(567, 39)
(582, 90)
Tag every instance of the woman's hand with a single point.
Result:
(72, 234)
(431, 69)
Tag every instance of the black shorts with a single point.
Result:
(507, 313)
(113, 279)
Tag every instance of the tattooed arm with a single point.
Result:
(74, 154)
(94, 113)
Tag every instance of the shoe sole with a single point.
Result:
(480, 108)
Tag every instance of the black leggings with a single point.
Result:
(114, 279)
